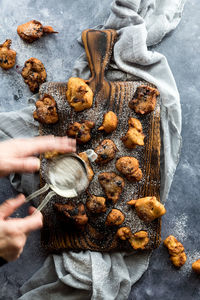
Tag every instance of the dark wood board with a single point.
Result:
(113, 96)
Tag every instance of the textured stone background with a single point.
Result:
(58, 53)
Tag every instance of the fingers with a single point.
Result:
(31, 210)
(12, 239)
(42, 144)
(10, 205)
(15, 154)
(21, 165)
(30, 223)
(13, 249)
(14, 231)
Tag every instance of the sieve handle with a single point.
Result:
(45, 201)
(37, 193)
(92, 156)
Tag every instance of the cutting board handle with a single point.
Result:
(98, 46)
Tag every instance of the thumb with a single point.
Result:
(10, 205)
(28, 164)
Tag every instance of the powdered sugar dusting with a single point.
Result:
(179, 225)
(121, 92)
(192, 256)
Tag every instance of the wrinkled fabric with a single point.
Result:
(86, 275)
(93, 275)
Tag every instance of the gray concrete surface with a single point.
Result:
(58, 52)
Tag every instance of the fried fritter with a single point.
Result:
(74, 213)
(34, 74)
(7, 55)
(110, 122)
(96, 204)
(179, 260)
(196, 266)
(112, 184)
(174, 247)
(139, 240)
(115, 218)
(106, 151)
(51, 154)
(134, 135)
(148, 208)
(79, 95)
(144, 100)
(176, 250)
(90, 172)
(81, 131)
(33, 30)
(124, 233)
(46, 111)
(129, 167)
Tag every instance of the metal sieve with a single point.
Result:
(66, 176)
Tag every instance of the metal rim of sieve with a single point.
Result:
(61, 157)
(52, 187)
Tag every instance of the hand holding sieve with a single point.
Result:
(66, 176)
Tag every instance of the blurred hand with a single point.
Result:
(14, 231)
(17, 155)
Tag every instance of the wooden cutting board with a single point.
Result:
(114, 96)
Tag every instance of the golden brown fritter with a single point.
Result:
(81, 131)
(134, 135)
(139, 240)
(179, 260)
(79, 95)
(115, 218)
(51, 154)
(96, 204)
(176, 251)
(7, 55)
(144, 100)
(46, 111)
(124, 233)
(129, 167)
(33, 30)
(112, 184)
(196, 266)
(148, 208)
(90, 172)
(74, 213)
(110, 122)
(106, 151)
(34, 74)
(174, 247)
